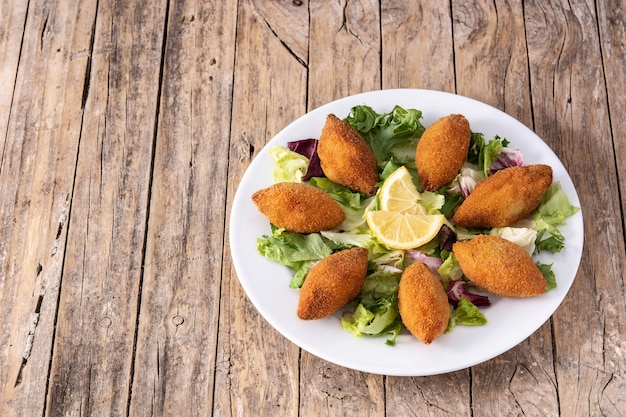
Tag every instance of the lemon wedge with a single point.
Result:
(398, 193)
(404, 231)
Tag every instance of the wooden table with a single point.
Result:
(126, 126)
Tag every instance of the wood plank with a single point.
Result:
(445, 395)
(93, 351)
(179, 308)
(340, 30)
(569, 103)
(490, 55)
(612, 25)
(492, 66)
(412, 57)
(12, 24)
(257, 368)
(36, 180)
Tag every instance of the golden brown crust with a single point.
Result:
(442, 150)
(423, 303)
(298, 207)
(505, 197)
(499, 266)
(346, 158)
(332, 283)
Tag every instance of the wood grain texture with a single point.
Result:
(491, 66)
(612, 31)
(490, 55)
(36, 180)
(344, 50)
(570, 102)
(126, 127)
(414, 56)
(179, 305)
(443, 395)
(257, 368)
(12, 21)
(417, 45)
(340, 30)
(93, 351)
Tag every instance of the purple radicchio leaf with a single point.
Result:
(508, 157)
(447, 237)
(431, 262)
(459, 288)
(308, 148)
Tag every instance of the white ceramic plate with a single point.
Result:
(510, 320)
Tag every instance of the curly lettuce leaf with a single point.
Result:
(298, 252)
(548, 274)
(340, 193)
(376, 311)
(466, 314)
(385, 131)
(289, 166)
(450, 270)
(484, 154)
(551, 213)
(432, 202)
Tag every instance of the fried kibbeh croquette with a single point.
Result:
(332, 283)
(423, 303)
(346, 158)
(505, 197)
(442, 150)
(499, 266)
(298, 207)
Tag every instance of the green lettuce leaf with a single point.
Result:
(289, 166)
(340, 193)
(483, 153)
(466, 314)
(450, 269)
(432, 202)
(376, 311)
(385, 131)
(297, 251)
(548, 275)
(551, 213)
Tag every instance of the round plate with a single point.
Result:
(510, 321)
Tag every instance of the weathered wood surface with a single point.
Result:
(125, 128)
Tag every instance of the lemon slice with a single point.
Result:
(404, 230)
(398, 193)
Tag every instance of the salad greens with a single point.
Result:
(393, 137)
(297, 251)
(289, 166)
(387, 131)
(551, 213)
(376, 312)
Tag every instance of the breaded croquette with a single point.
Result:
(332, 283)
(423, 302)
(442, 150)
(346, 158)
(298, 207)
(505, 197)
(499, 266)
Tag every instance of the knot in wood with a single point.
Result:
(177, 320)
(106, 322)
